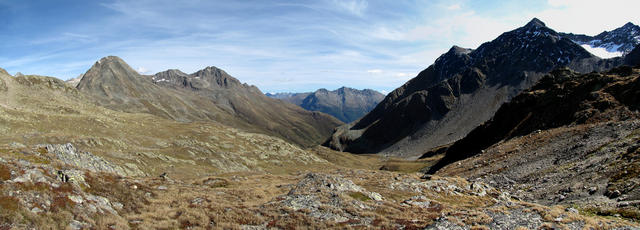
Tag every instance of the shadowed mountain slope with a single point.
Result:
(571, 139)
(462, 89)
(633, 58)
(207, 95)
(560, 99)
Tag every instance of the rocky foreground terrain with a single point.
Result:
(572, 139)
(42, 186)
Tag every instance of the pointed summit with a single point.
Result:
(629, 24)
(111, 77)
(459, 50)
(536, 23)
(3, 71)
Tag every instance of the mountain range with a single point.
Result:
(206, 95)
(621, 40)
(461, 90)
(528, 131)
(345, 103)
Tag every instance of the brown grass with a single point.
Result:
(5, 172)
(61, 203)
(9, 204)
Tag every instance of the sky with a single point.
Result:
(277, 45)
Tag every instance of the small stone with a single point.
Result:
(426, 177)
(133, 187)
(561, 197)
(36, 210)
(592, 190)
(161, 187)
(375, 196)
(77, 225)
(77, 199)
(135, 221)
(613, 194)
(197, 201)
(571, 210)
(17, 145)
(117, 205)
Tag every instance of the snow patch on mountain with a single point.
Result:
(602, 52)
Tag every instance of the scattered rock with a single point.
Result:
(117, 205)
(161, 187)
(612, 193)
(77, 199)
(571, 210)
(17, 145)
(36, 210)
(426, 176)
(419, 201)
(197, 201)
(77, 225)
(68, 154)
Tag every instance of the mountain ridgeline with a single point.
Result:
(622, 39)
(345, 103)
(206, 95)
(461, 90)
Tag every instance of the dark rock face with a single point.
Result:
(462, 89)
(560, 99)
(622, 39)
(345, 103)
(633, 58)
(206, 95)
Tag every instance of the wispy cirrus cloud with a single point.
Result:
(355, 7)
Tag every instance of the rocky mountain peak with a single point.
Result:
(629, 25)
(536, 28)
(3, 71)
(110, 59)
(535, 23)
(210, 70)
(110, 62)
(457, 50)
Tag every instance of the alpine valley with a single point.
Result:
(527, 131)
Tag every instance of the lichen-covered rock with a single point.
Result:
(68, 154)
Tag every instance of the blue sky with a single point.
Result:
(279, 46)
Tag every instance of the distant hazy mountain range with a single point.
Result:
(345, 103)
